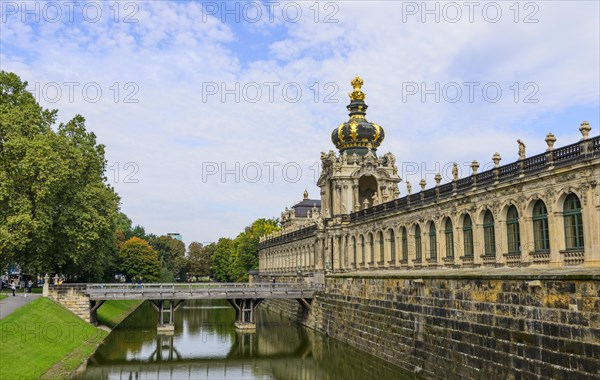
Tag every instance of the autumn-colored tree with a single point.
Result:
(137, 259)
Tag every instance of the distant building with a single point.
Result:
(175, 235)
(542, 210)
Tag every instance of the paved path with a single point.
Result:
(10, 303)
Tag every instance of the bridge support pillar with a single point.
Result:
(245, 309)
(305, 302)
(94, 306)
(166, 315)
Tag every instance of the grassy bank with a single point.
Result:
(43, 339)
(111, 313)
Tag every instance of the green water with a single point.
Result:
(206, 345)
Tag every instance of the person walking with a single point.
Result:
(13, 287)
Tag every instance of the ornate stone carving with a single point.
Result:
(585, 129)
(565, 178)
(496, 158)
(474, 166)
(550, 140)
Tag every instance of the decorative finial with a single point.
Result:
(305, 194)
(438, 179)
(496, 158)
(474, 166)
(357, 93)
(550, 140)
(585, 129)
(422, 183)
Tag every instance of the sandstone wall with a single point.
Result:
(72, 296)
(465, 328)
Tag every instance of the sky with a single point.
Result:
(214, 114)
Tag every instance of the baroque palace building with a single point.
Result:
(542, 210)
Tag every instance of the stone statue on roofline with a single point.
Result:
(521, 149)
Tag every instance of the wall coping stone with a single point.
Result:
(504, 273)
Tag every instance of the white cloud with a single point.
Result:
(175, 49)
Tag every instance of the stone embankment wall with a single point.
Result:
(486, 327)
(72, 296)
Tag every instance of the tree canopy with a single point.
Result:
(233, 259)
(199, 259)
(57, 213)
(137, 259)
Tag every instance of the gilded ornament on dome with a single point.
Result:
(353, 130)
(357, 93)
(377, 131)
(341, 132)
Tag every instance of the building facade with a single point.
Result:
(542, 210)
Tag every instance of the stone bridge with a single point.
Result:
(85, 299)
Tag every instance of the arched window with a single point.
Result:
(381, 247)
(468, 235)
(489, 236)
(512, 230)
(573, 223)
(392, 238)
(362, 249)
(354, 251)
(418, 248)
(449, 238)
(541, 237)
(432, 241)
(371, 252)
(404, 245)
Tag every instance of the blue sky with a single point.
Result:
(191, 107)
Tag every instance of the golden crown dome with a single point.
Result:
(357, 135)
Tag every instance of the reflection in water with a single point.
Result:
(206, 345)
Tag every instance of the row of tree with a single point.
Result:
(59, 215)
(163, 258)
(232, 259)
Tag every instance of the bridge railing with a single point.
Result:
(201, 287)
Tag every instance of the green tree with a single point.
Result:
(246, 248)
(137, 259)
(199, 258)
(139, 231)
(222, 259)
(57, 214)
(169, 250)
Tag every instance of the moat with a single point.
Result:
(206, 345)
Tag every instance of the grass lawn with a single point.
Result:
(2, 296)
(111, 313)
(43, 339)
